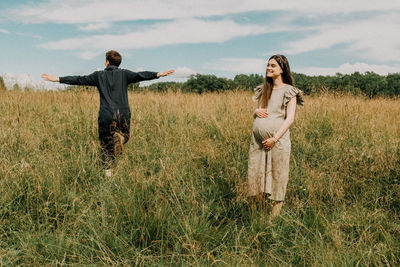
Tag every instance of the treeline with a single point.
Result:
(369, 84)
(201, 83)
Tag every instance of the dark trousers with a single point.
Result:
(112, 121)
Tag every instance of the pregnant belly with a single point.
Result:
(264, 128)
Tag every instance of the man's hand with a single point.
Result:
(51, 78)
(165, 73)
(261, 112)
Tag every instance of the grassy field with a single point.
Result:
(179, 193)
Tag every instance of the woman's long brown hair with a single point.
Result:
(269, 82)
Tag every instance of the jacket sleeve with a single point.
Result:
(91, 80)
(134, 77)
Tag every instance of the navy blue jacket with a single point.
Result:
(112, 84)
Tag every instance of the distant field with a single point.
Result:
(179, 193)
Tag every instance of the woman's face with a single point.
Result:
(273, 69)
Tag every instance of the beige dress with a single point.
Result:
(268, 171)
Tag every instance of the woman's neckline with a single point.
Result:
(284, 85)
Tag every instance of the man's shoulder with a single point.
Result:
(125, 70)
(96, 72)
(118, 70)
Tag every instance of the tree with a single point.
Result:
(393, 84)
(374, 84)
(165, 86)
(369, 84)
(248, 82)
(201, 83)
(2, 85)
(133, 86)
(303, 82)
(16, 87)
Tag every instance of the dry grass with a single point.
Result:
(178, 196)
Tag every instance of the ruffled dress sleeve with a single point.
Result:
(257, 93)
(293, 92)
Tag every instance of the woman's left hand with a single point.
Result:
(269, 143)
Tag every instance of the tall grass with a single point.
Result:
(179, 192)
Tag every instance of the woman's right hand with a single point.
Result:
(261, 112)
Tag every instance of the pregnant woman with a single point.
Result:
(268, 167)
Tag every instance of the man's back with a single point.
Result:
(112, 83)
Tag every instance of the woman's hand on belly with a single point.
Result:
(261, 113)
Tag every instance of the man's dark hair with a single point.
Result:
(113, 57)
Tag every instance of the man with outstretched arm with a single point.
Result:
(114, 114)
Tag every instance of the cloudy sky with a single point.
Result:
(221, 37)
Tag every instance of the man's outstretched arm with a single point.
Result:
(134, 77)
(73, 80)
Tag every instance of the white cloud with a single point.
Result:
(370, 34)
(27, 81)
(86, 54)
(91, 11)
(348, 68)
(238, 65)
(4, 31)
(95, 26)
(183, 72)
(373, 38)
(170, 33)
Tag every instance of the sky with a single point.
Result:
(220, 37)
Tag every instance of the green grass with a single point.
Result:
(179, 193)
